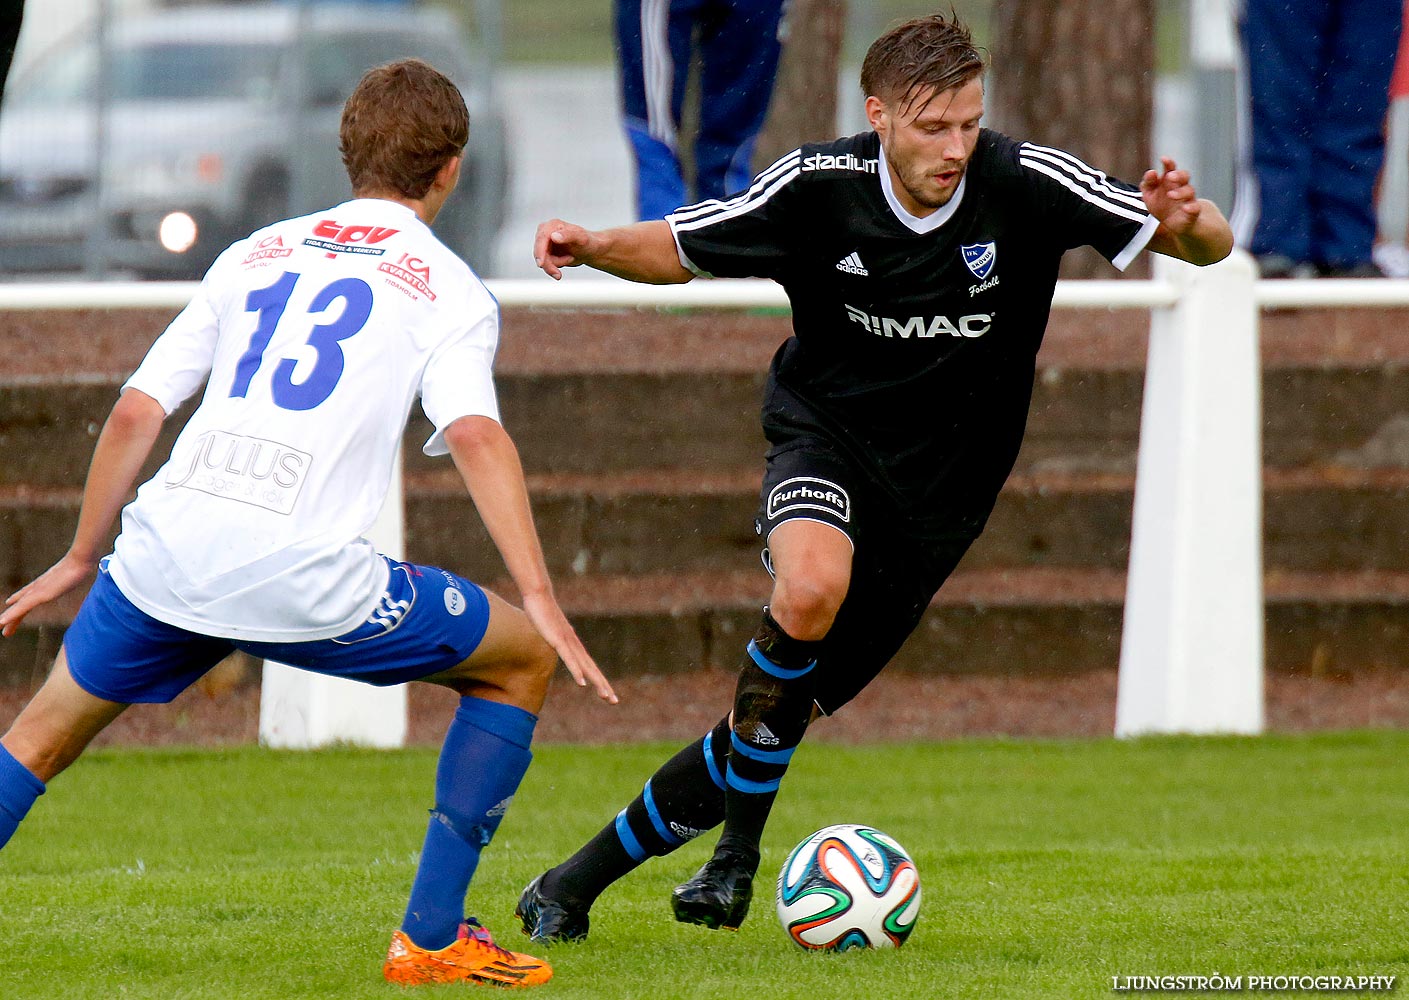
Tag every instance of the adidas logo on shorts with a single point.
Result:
(851, 264)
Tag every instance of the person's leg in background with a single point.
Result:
(1392, 196)
(1348, 147)
(11, 14)
(653, 39)
(739, 50)
(1284, 51)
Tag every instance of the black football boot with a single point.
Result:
(550, 920)
(719, 894)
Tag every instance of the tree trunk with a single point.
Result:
(804, 104)
(1078, 76)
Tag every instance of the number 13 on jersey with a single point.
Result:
(324, 338)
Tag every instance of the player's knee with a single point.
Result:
(539, 660)
(524, 675)
(805, 607)
(44, 753)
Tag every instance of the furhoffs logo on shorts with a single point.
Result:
(809, 493)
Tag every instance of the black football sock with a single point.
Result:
(772, 707)
(683, 799)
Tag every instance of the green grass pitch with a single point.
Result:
(1048, 868)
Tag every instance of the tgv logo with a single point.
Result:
(331, 230)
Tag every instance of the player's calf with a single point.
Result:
(683, 799)
(772, 707)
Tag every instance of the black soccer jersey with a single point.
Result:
(915, 339)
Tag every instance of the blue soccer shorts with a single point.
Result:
(427, 621)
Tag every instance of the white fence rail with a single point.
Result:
(592, 292)
(1191, 653)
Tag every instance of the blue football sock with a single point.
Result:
(481, 764)
(18, 790)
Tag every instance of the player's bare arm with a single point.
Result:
(642, 251)
(126, 441)
(1191, 228)
(489, 464)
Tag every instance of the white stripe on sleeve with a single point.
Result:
(1085, 192)
(689, 212)
(740, 206)
(1097, 181)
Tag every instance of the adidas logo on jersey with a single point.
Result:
(851, 264)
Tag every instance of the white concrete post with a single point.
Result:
(1191, 655)
(301, 710)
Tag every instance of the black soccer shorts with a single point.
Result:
(897, 566)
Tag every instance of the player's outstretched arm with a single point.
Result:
(1191, 228)
(489, 464)
(123, 446)
(643, 251)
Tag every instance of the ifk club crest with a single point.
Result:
(980, 257)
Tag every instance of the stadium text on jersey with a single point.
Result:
(841, 161)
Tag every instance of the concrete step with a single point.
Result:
(640, 434)
(1082, 420)
(1033, 622)
(615, 392)
(1333, 518)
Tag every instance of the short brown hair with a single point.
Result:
(926, 52)
(401, 124)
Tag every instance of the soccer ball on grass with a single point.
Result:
(848, 886)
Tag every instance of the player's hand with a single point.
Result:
(559, 244)
(552, 624)
(60, 578)
(1170, 197)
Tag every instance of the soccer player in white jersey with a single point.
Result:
(314, 337)
(920, 259)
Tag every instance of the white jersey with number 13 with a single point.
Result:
(314, 337)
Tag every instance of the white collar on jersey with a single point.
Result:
(379, 204)
(918, 224)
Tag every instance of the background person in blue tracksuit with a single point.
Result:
(10, 16)
(737, 45)
(1318, 76)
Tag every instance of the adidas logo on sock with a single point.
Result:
(851, 264)
(763, 736)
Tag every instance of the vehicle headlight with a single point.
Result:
(177, 232)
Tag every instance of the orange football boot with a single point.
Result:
(473, 957)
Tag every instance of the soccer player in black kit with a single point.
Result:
(920, 260)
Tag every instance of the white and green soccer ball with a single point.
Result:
(848, 886)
